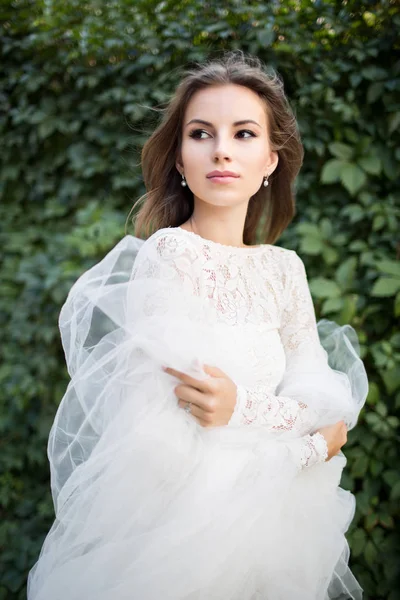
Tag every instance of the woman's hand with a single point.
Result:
(335, 436)
(213, 400)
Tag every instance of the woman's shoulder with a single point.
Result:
(168, 243)
(168, 249)
(287, 266)
(284, 257)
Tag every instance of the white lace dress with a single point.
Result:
(149, 504)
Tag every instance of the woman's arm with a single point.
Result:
(258, 405)
(299, 335)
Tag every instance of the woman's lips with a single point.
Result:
(222, 179)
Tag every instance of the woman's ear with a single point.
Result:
(179, 166)
(273, 162)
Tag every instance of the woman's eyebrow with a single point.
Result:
(243, 122)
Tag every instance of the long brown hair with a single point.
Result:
(168, 204)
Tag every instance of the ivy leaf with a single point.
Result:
(341, 151)
(358, 541)
(311, 245)
(375, 90)
(353, 178)
(385, 286)
(345, 273)
(324, 288)
(331, 170)
(370, 553)
(394, 121)
(397, 305)
(371, 164)
(389, 267)
(332, 305)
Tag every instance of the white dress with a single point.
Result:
(149, 504)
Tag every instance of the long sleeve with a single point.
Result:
(277, 413)
(280, 413)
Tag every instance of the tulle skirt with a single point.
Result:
(150, 505)
(167, 509)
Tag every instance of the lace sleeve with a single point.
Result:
(258, 407)
(298, 321)
(299, 335)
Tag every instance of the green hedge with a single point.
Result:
(77, 84)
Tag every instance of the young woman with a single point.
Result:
(196, 453)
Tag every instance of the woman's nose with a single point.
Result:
(222, 149)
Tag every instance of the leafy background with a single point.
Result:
(78, 85)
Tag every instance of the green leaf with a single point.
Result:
(397, 305)
(370, 164)
(349, 308)
(378, 223)
(389, 267)
(391, 477)
(370, 553)
(373, 394)
(373, 73)
(386, 520)
(385, 286)
(395, 491)
(341, 151)
(375, 90)
(391, 378)
(371, 521)
(311, 245)
(360, 466)
(326, 228)
(358, 541)
(381, 409)
(369, 18)
(331, 170)
(330, 255)
(390, 165)
(345, 273)
(394, 121)
(332, 305)
(47, 127)
(324, 288)
(308, 229)
(353, 178)
(356, 213)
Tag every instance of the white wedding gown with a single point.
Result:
(149, 504)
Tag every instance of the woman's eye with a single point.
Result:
(201, 134)
(197, 134)
(246, 131)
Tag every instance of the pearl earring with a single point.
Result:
(266, 181)
(183, 182)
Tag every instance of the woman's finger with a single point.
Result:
(201, 385)
(190, 394)
(195, 412)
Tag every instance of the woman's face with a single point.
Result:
(225, 128)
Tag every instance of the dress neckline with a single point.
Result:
(244, 249)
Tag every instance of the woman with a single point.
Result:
(195, 454)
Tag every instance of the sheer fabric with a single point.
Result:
(148, 503)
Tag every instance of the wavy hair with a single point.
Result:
(167, 204)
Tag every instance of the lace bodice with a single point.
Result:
(259, 300)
